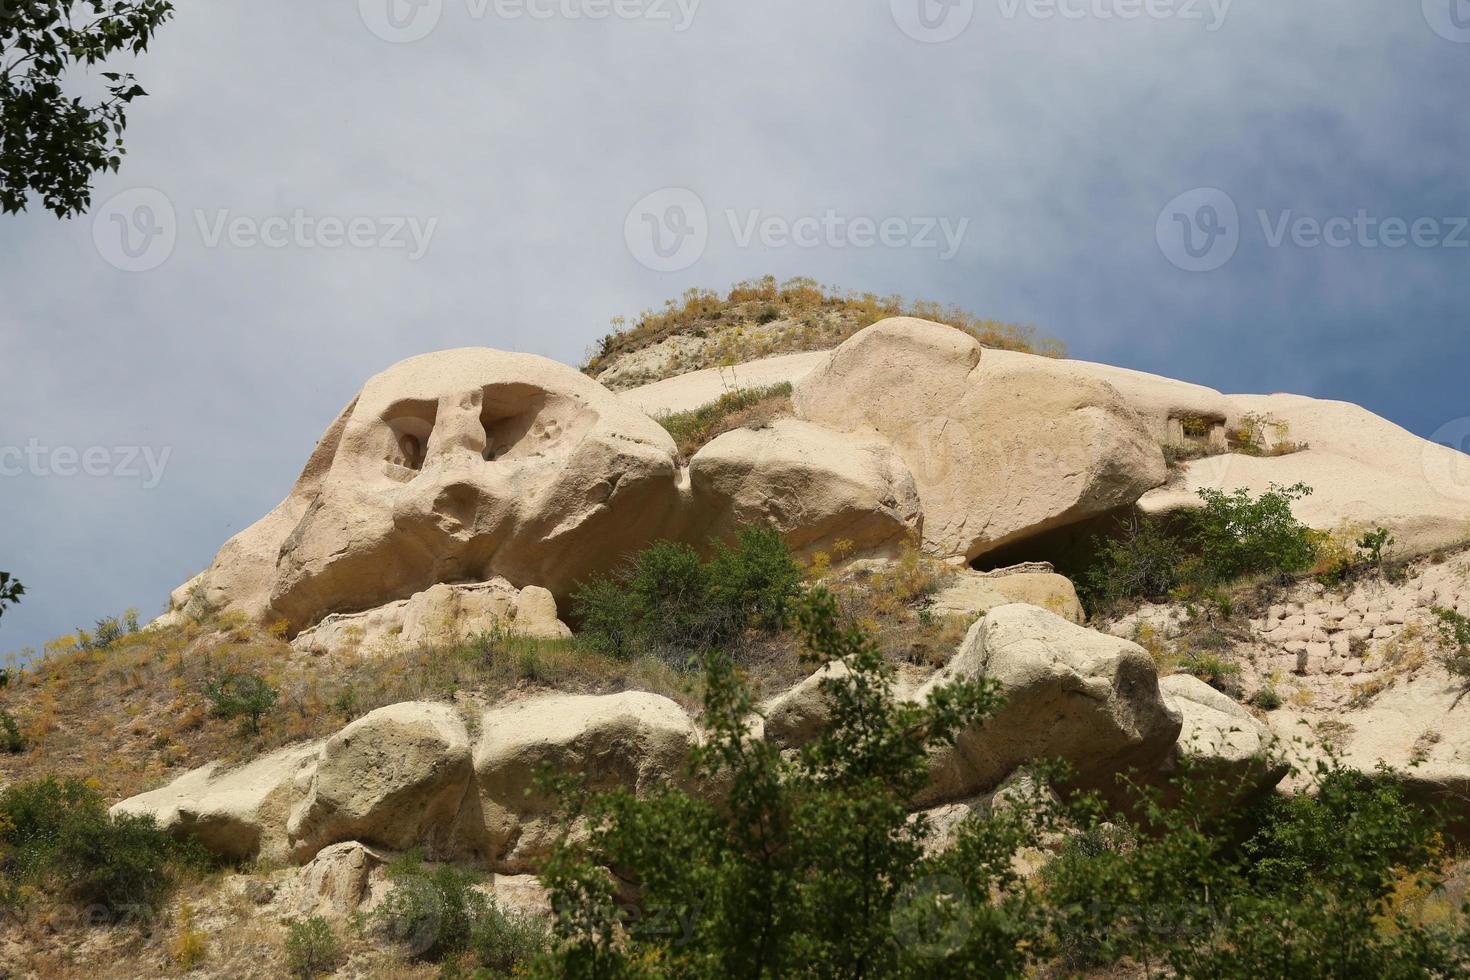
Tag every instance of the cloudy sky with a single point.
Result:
(1257, 195)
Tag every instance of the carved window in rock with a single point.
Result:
(409, 426)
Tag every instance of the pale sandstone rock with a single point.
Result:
(797, 716)
(396, 777)
(699, 388)
(335, 882)
(972, 594)
(1001, 445)
(440, 614)
(634, 740)
(1219, 734)
(238, 812)
(815, 486)
(1071, 693)
(461, 465)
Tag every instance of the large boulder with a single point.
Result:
(1070, 693)
(457, 466)
(236, 812)
(396, 777)
(1220, 738)
(815, 486)
(441, 614)
(633, 740)
(1002, 446)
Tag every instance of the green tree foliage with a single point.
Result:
(671, 601)
(51, 142)
(10, 591)
(57, 834)
(804, 864)
(1300, 886)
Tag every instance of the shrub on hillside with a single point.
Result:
(1232, 536)
(440, 914)
(1454, 641)
(241, 695)
(312, 948)
(57, 834)
(671, 601)
(1143, 562)
(11, 739)
(1239, 535)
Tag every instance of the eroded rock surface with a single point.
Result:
(1000, 447)
(817, 487)
(1071, 693)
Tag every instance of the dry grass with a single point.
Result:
(762, 317)
(742, 408)
(135, 715)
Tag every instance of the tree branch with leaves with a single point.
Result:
(53, 143)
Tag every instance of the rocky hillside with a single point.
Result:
(762, 318)
(495, 571)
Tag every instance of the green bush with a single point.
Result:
(312, 948)
(1143, 562)
(241, 695)
(1238, 535)
(430, 911)
(671, 602)
(11, 740)
(57, 834)
(438, 914)
(1230, 537)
